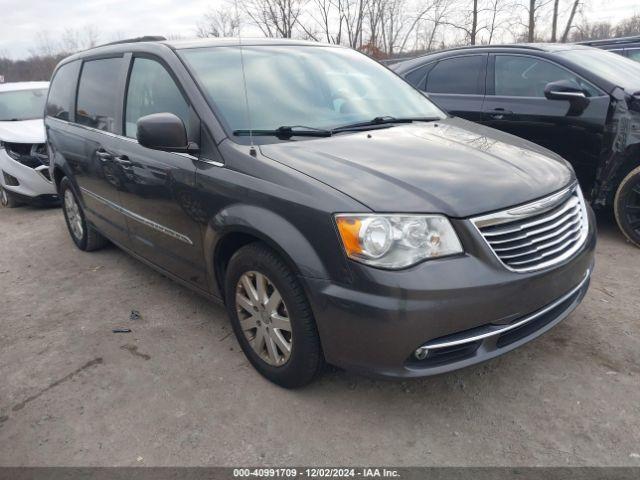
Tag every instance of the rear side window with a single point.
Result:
(417, 77)
(519, 76)
(62, 91)
(98, 93)
(459, 75)
(152, 90)
(634, 54)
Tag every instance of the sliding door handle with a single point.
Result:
(124, 161)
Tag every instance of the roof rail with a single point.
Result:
(146, 38)
(635, 38)
(528, 46)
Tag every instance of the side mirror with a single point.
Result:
(164, 131)
(567, 90)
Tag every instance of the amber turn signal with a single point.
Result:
(349, 229)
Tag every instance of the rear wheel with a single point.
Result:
(8, 199)
(271, 317)
(627, 206)
(83, 235)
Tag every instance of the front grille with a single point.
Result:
(537, 235)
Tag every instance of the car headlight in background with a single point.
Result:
(396, 241)
(32, 155)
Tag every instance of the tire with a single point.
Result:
(85, 236)
(626, 206)
(305, 360)
(8, 199)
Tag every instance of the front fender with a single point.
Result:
(273, 229)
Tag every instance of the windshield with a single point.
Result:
(311, 86)
(22, 104)
(615, 68)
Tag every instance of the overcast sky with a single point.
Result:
(23, 19)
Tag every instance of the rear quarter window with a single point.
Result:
(62, 91)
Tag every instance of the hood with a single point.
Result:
(25, 131)
(452, 166)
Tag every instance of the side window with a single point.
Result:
(98, 93)
(152, 90)
(634, 54)
(417, 77)
(520, 76)
(459, 75)
(62, 91)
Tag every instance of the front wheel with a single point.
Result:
(627, 206)
(84, 235)
(271, 317)
(7, 199)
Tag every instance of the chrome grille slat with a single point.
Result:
(544, 246)
(573, 224)
(535, 232)
(540, 256)
(537, 235)
(544, 219)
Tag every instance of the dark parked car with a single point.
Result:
(338, 213)
(627, 46)
(583, 103)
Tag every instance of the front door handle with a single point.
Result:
(499, 113)
(103, 154)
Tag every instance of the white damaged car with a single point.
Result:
(24, 162)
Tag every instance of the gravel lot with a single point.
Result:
(178, 391)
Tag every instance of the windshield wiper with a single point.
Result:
(383, 121)
(286, 132)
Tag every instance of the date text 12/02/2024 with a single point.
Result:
(316, 473)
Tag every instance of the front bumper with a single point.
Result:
(31, 183)
(375, 325)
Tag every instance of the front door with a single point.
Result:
(165, 226)
(515, 103)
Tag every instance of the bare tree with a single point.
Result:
(592, 31)
(437, 16)
(74, 40)
(218, 23)
(354, 12)
(467, 21)
(499, 16)
(629, 27)
(554, 21)
(275, 18)
(572, 15)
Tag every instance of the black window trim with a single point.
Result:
(492, 71)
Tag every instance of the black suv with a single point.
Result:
(626, 46)
(581, 102)
(338, 213)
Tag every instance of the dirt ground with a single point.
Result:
(178, 391)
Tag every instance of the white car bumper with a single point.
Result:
(32, 183)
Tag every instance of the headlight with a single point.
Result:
(396, 241)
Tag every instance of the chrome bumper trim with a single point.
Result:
(422, 351)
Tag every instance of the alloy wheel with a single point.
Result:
(632, 208)
(73, 215)
(264, 318)
(4, 197)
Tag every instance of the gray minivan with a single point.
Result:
(340, 216)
